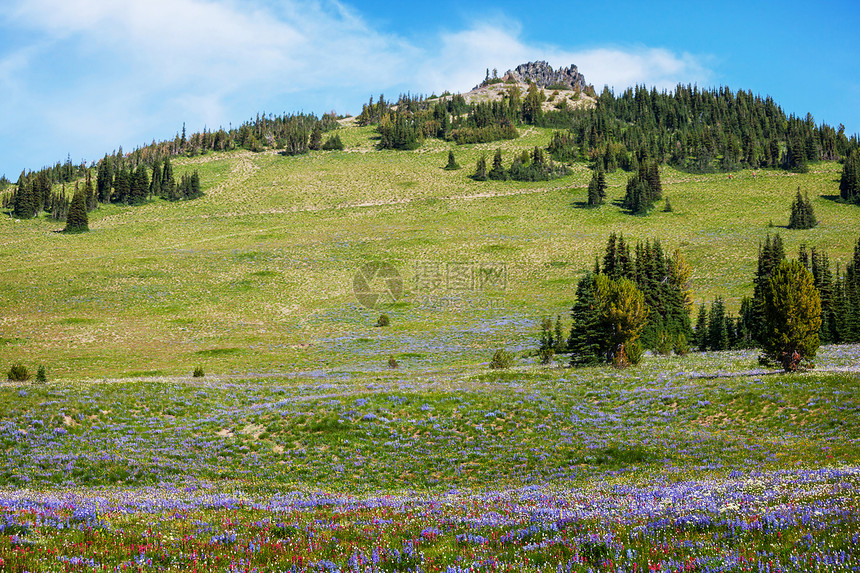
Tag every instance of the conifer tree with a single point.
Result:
(624, 315)
(702, 329)
(792, 316)
(597, 188)
(89, 193)
(769, 256)
(77, 220)
(593, 191)
(104, 179)
(587, 342)
(498, 172)
(333, 143)
(315, 142)
(718, 335)
(533, 104)
(849, 180)
(601, 185)
(480, 169)
(802, 215)
(452, 162)
(139, 185)
(167, 182)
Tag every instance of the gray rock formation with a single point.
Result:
(542, 74)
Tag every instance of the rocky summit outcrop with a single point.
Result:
(542, 74)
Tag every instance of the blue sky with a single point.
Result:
(83, 77)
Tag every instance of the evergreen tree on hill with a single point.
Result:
(452, 162)
(802, 215)
(77, 220)
(316, 138)
(498, 172)
(586, 342)
(480, 169)
(792, 316)
(849, 180)
(643, 189)
(333, 143)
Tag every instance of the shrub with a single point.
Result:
(665, 342)
(392, 362)
(41, 376)
(502, 359)
(18, 373)
(634, 354)
(546, 355)
(383, 320)
(681, 347)
(198, 372)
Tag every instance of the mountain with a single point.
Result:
(542, 74)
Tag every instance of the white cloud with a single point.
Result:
(464, 57)
(88, 75)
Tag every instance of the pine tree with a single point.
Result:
(718, 336)
(23, 201)
(532, 108)
(849, 181)
(104, 179)
(498, 172)
(139, 186)
(480, 169)
(77, 220)
(792, 316)
(167, 182)
(802, 215)
(702, 329)
(601, 186)
(546, 348)
(594, 191)
(745, 324)
(89, 193)
(769, 256)
(643, 189)
(155, 181)
(587, 342)
(452, 162)
(623, 314)
(316, 138)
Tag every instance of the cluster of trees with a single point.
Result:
(525, 167)
(665, 282)
(643, 189)
(833, 309)
(608, 318)
(635, 300)
(117, 181)
(643, 300)
(849, 181)
(408, 122)
(132, 178)
(802, 214)
(693, 129)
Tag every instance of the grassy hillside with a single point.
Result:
(257, 276)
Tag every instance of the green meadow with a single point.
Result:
(257, 275)
(301, 449)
